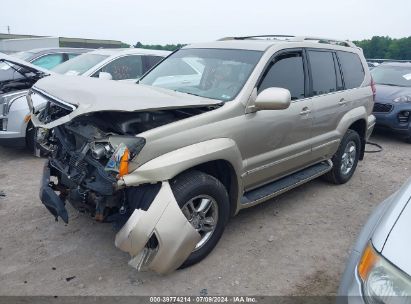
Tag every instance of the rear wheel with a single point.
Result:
(204, 201)
(346, 159)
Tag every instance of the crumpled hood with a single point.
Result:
(387, 93)
(94, 95)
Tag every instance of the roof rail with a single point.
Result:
(256, 37)
(325, 40)
(292, 38)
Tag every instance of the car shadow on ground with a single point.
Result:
(385, 135)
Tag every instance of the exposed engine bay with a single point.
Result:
(91, 152)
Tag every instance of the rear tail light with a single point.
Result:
(373, 88)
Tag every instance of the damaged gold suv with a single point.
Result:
(210, 130)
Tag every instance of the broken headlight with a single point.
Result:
(118, 151)
(101, 150)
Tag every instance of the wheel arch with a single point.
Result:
(360, 126)
(219, 157)
(224, 171)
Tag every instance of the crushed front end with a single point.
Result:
(87, 156)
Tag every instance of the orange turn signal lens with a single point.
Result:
(123, 169)
(368, 260)
(27, 118)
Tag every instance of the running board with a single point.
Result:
(284, 184)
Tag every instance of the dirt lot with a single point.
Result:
(295, 244)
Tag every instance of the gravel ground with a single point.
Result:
(295, 244)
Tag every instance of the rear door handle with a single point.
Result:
(305, 111)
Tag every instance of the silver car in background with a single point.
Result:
(116, 64)
(379, 267)
(113, 64)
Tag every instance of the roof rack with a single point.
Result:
(268, 37)
(292, 38)
(324, 40)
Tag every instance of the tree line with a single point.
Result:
(386, 48)
(377, 47)
(167, 47)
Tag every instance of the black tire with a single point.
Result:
(196, 183)
(336, 175)
(30, 134)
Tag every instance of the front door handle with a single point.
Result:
(305, 111)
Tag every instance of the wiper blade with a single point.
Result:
(188, 93)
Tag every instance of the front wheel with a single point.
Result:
(346, 159)
(204, 201)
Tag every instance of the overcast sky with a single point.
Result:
(185, 21)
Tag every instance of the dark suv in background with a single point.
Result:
(392, 107)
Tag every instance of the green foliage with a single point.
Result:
(379, 47)
(167, 47)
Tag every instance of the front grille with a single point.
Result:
(382, 107)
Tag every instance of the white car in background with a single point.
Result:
(116, 64)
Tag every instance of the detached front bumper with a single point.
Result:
(49, 198)
(175, 238)
(159, 238)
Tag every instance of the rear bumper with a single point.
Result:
(175, 236)
(370, 126)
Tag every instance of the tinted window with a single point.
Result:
(352, 69)
(79, 64)
(322, 72)
(48, 61)
(150, 61)
(287, 71)
(127, 67)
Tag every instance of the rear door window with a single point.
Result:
(286, 71)
(324, 78)
(353, 71)
(127, 67)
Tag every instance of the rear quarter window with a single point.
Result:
(324, 79)
(353, 71)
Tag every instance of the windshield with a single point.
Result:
(211, 73)
(20, 55)
(79, 64)
(392, 75)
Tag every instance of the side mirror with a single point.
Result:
(273, 99)
(105, 75)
